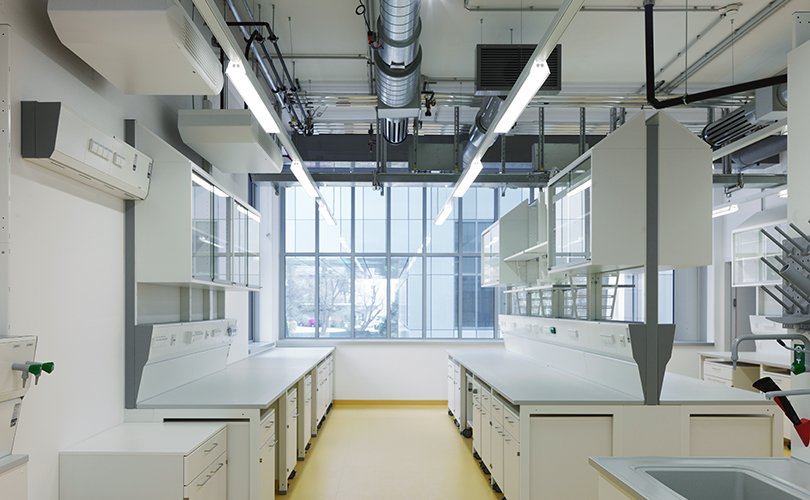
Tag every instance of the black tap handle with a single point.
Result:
(767, 384)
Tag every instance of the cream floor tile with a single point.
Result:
(389, 453)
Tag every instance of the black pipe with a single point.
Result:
(649, 46)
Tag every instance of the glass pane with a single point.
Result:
(477, 304)
(370, 214)
(202, 238)
(406, 297)
(299, 288)
(444, 238)
(442, 288)
(337, 239)
(240, 247)
(300, 220)
(479, 213)
(254, 245)
(335, 318)
(406, 219)
(571, 198)
(510, 198)
(221, 240)
(370, 303)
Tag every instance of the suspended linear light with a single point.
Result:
(467, 178)
(783, 193)
(724, 210)
(203, 183)
(323, 208)
(538, 73)
(445, 212)
(250, 94)
(304, 179)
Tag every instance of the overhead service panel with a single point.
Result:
(149, 47)
(55, 137)
(231, 140)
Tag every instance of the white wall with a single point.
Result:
(67, 252)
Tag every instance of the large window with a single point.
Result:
(385, 270)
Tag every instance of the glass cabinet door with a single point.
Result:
(254, 241)
(221, 242)
(202, 237)
(240, 245)
(571, 204)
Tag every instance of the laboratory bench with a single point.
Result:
(535, 424)
(273, 402)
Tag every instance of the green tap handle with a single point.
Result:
(799, 365)
(35, 369)
(48, 367)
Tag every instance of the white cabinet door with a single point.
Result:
(496, 453)
(511, 468)
(292, 439)
(14, 483)
(307, 420)
(477, 428)
(267, 470)
(486, 428)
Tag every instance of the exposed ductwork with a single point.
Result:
(769, 105)
(759, 151)
(483, 120)
(398, 64)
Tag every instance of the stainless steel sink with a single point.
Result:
(722, 484)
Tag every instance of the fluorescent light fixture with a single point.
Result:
(783, 193)
(467, 178)
(304, 179)
(325, 213)
(250, 94)
(445, 212)
(724, 210)
(219, 193)
(538, 74)
(203, 183)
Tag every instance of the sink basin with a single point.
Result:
(722, 484)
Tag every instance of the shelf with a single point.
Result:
(531, 253)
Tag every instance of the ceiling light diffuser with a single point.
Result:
(250, 94)
(538, 74)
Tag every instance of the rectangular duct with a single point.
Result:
(497, 68)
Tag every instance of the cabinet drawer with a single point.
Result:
(511, 423)
(200, 458)
(718, 369)
(497, 410)
(781, 379)
(211, 483)
(267, 427)
(308, 381)
(717, 380)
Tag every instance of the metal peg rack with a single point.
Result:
(793, 266)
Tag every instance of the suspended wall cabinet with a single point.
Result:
(190, 231)
(597, 205)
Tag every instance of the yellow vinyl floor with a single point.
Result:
(389, 453)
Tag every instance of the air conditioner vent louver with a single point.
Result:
(147, 47)
(497, 68)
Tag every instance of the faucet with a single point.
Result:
(786, 336)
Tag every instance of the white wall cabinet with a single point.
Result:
(174, 461)
(189, 231)
(504, 247)
(597, 205)
(749, 245)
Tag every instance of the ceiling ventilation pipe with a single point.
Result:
(649, 45)
(398, 64)
(483, 120)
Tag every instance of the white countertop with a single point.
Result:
(252, 383)
(630, 472)
(173, 438)
(757, 358)
(526, 381)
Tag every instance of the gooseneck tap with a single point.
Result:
(786, 336)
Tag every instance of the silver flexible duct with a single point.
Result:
(398, 61)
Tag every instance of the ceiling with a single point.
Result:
(603, 53)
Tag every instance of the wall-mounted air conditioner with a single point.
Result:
(55, 137)
(149, 47)
(231, 139)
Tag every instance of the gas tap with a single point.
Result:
(32, 368)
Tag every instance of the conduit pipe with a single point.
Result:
(649, 46)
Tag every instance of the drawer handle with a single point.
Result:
(211, 449)
(210, 475)
(221, 465)
(275, 442)
(268, 426)
(507, 440)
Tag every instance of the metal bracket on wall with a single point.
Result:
(793, 266)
